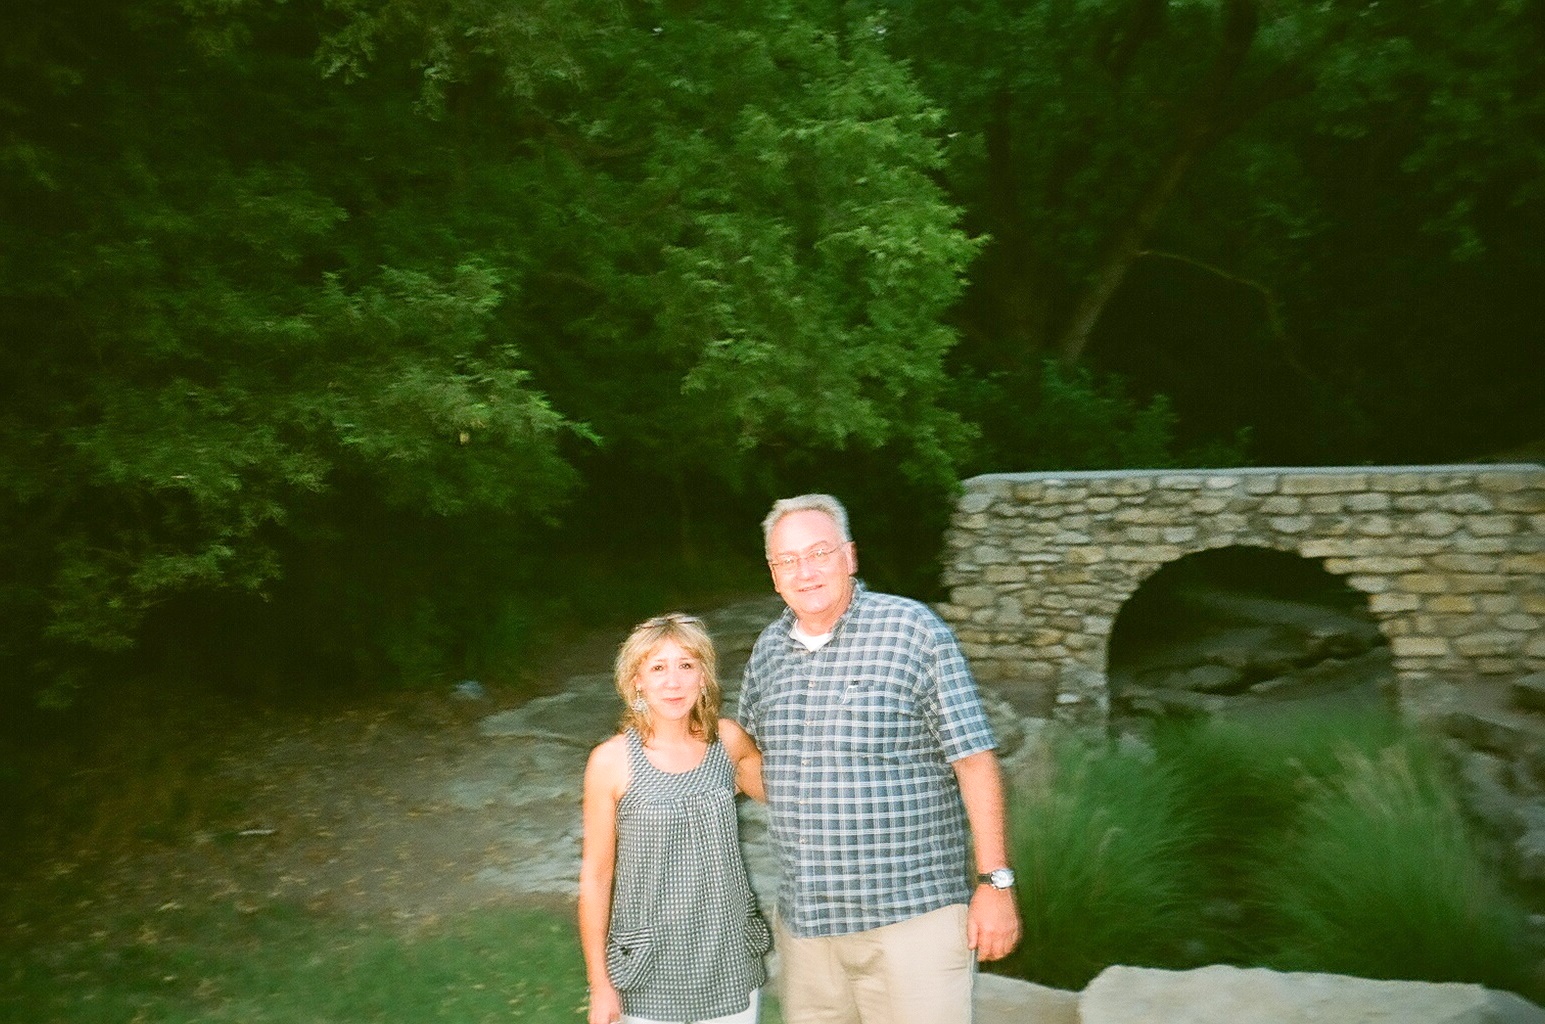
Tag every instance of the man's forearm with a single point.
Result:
(992, 921)
(981, 789)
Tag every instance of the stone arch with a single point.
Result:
(1243, 626)
(1452, 559)
(1279, 545)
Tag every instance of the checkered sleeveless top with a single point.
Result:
(686, 941)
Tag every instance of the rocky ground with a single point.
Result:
(411, 808)
(1214, 647)
(430, 803)
(426, 805)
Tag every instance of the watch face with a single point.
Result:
(1002, 878)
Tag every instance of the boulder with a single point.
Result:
(1000, 1000)
(1233, 995)
(584, 713)
(1484, 782)
(1529, 847)
(1209, 679)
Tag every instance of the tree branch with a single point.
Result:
(1269, 302)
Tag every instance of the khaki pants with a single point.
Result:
(918, 971)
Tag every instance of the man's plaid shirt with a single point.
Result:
(857, 739)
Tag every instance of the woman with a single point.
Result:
(667, 920)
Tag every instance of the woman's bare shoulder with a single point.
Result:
(609, 759)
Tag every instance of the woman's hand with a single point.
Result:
(605, 1004)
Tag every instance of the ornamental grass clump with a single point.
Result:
(1322, 842)
(1245, 782)
(1101, 847)
(1382, 879)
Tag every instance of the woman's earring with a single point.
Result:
(640, 705)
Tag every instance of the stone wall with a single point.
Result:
(1451, 558)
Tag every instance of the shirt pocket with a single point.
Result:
(873, 720)
(629, 958)
(758, 935)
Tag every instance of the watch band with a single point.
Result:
(998, 878)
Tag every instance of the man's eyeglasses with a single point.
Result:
(817, 557)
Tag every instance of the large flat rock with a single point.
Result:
(1233, 995)
(1000, 1000)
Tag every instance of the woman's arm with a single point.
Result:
(746, 757)
(605, 779)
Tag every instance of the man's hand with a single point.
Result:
(992, 923)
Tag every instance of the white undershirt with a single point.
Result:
(808, 641)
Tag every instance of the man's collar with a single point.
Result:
(855, 596)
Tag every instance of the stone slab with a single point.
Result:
(1233, 995)
(1000, 1000)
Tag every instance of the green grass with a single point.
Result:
(1243, 788)
(284, 967)
(1321, 843)
(1246, 780)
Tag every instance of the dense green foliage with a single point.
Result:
(298, 286)
(1310, 219)
(338, 335)
(1379, 915)
(1321, 843)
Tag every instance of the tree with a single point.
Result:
(1238, 146)
(295, 283)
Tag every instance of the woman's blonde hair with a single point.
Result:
(693, 638)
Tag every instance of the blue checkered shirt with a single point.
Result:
(857, 739)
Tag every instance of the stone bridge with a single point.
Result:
(1451, 558)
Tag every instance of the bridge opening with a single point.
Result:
(1245, 629)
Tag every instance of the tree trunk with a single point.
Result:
(1241, 19)
(1021, 307)
(1123, 250)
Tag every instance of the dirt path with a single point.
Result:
(409, 808)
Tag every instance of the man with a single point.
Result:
(878, 761)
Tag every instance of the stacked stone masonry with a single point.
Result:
(1451, 558)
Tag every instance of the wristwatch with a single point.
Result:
(1000, 878)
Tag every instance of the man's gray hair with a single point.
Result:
(806, 503)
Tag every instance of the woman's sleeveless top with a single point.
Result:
(686, 941)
